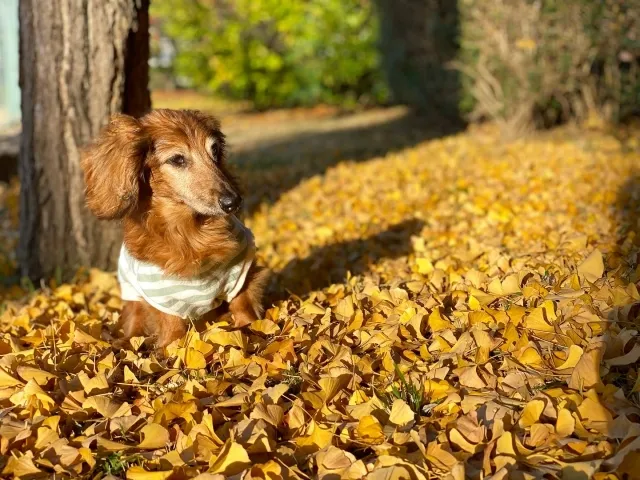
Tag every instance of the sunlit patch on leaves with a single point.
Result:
(459, 309)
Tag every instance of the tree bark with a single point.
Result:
(80, 62)
(419, 38)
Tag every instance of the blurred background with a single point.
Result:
(525, 64)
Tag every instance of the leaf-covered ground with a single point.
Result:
(457, 308)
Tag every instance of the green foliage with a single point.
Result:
(117, 463)
(407, 391)
(276, 53)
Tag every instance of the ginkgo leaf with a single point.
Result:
(317, 439)
(565, 424)
(370, 431)
(586, 373)
(106, 407)
(21, 466)
(505, 445)
(332, 385)
(266, 327)
(592, 268)
(401, 413)
(437, 323)
(273, 414)
(194, 359)
(139, 473)
(332, 458)
(27, 373)
(154, 436)
(531, 413)
(129, 376)
(530, 356)
(231, 460)
(541, 319)
(296, 417)
(95, 385)
(457, 439)
(469, 378)
(573, 356)
(594, 414)
(7, 380)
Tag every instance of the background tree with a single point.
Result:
(80, 62)
(418, 42)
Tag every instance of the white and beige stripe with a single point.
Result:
(188, 297)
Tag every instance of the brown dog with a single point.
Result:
(184, 250)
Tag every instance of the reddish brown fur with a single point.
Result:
(171, 214)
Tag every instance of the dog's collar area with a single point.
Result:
(188, 297)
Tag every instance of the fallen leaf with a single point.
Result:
(592, 268)
(401, 413)
(154, 436)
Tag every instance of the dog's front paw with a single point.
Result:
(240, 321)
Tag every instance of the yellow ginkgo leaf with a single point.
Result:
(565, 423)
(41, 377)
(592, 268)
(154, 436)
(456, 438)
(401, 413)
(317, 439)
(139, 473)
(593, 414)
(231, 460)
(505, 445)
(21, 466)
(273, 414)
(194, 359)
(573, 356)
(370, 431)
(530, 357)
(531, 413)
(7, 380)
(437, 323)
(586, 373)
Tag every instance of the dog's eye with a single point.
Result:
(215, 149)
(177, 161)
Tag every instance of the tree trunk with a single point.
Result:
(80, 62)
(418, 42)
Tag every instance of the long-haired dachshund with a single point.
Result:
(184, 251)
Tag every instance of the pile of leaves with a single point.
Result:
(458, 309)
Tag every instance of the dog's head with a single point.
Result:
(176, 155)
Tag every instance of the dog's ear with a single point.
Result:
(112, 166)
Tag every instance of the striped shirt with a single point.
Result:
(188, 297)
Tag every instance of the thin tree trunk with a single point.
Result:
(80, 62)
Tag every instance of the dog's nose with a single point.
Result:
(230, 202)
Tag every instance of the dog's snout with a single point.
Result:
(230, 202)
